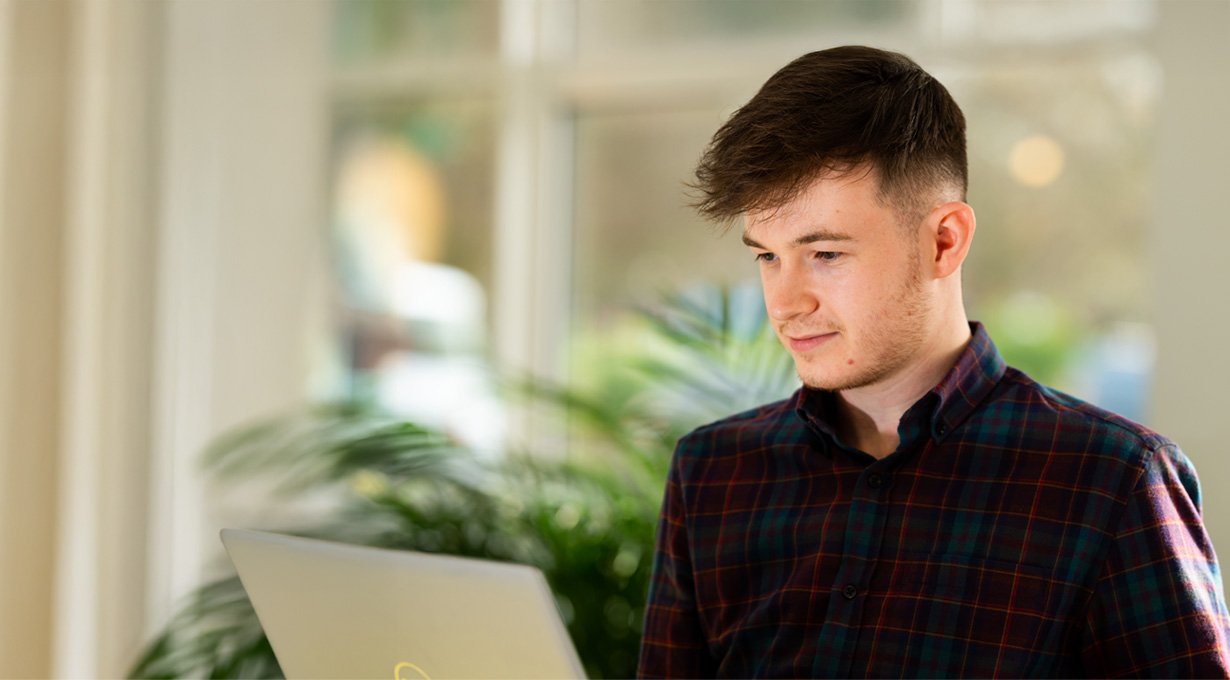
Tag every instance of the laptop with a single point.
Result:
(341, 611)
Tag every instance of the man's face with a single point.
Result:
(843, 283)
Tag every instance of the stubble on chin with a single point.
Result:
(881, 369)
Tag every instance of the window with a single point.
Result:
(560, 134)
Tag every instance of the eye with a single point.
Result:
(765, 257)
(827, 255)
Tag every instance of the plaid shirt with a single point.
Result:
(1016, 532)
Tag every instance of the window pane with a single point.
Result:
(1059, 175)
(1059, 155)
(411, 234)
(635, 236)
(367, 31)
(633, 25)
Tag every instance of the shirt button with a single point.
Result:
(849, 592)
(940, 429)
(875, 481)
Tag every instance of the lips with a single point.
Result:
(809, 342)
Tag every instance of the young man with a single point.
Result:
(917, 508)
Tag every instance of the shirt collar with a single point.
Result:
(967, 383)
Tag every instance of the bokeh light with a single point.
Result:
(1036, 161)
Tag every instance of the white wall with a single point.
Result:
(1191, 240)
(244, 114)
(34, 90)
(161, 279)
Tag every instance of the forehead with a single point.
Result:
(842, 208)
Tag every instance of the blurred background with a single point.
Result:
(214, 211)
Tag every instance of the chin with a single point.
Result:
(822, 381)
(826, 381)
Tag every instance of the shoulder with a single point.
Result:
(761, 428)
(1069, 417)
(1051, 420)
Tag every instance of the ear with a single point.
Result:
(949, 230)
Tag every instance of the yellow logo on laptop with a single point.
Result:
(397, 671)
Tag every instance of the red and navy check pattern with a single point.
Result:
(1016, 532)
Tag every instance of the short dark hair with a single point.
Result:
(835, 111)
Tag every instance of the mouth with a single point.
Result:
(809, 342)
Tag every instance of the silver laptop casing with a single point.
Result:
(342, 611)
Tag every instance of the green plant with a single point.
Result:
(587, 520)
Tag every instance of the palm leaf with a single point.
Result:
(587, 521)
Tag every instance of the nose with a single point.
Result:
(789, 295)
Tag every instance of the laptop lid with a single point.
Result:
(341, 611)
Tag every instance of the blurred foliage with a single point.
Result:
(708, 354)
(1036, 334)
(586, 519)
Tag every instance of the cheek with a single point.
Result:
(865, 310)
(766, 285)
(878, 290)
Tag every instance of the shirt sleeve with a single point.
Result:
(673, 643)
(1158, 609)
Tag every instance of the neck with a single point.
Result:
(870, 414)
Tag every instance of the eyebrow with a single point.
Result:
(803, 240)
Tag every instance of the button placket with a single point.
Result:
(863, 535)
